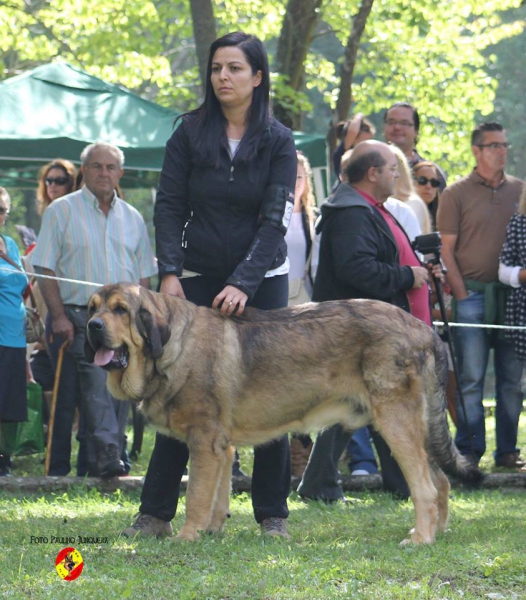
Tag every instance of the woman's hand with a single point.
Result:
(170, 284)
(230, 300)
(353, 129)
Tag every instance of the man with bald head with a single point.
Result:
(364, 253)
(359, 252)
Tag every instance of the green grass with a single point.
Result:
(336, 552)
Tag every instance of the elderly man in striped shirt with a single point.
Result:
(94, 236)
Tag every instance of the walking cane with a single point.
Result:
(53, 407)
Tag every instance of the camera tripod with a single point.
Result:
(430, 244)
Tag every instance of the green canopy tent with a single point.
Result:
(56, 109)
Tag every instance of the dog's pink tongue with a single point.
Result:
(103, 356)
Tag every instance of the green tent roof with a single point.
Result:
(56, 109)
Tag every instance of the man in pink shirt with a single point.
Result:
(364, 253)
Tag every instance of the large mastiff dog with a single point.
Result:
(216, 382)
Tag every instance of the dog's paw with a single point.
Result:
(188, 534)
(416, 539)
(217, 524)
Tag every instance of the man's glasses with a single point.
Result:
(424, 181)
(393, 122)
(495, 145)
(57, 180)
(4, 211)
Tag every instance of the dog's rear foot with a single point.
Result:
(188, 534)
(217, 524)
(417, 538)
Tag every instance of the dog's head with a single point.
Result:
(126, 332)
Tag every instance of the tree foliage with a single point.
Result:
(431, 54)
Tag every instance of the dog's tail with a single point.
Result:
(440, 446)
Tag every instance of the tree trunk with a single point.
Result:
(294, 41)
(343, 104)
(204, 32)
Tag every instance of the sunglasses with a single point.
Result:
(495, 145)
(57, 180)
(424, 181)
(4, 211)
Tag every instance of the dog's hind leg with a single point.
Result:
(403, 429)
(207, 447)
(221, 510)
(441, 483)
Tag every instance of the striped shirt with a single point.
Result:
(78, 241)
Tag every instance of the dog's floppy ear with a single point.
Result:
(153, 329)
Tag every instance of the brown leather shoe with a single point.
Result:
(275, 527)
(148, 526)
(511, 460)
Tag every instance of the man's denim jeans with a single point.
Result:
(472, 348)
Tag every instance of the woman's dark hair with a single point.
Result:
(366, 126)
(209, 133)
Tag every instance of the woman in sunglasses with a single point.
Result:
(427, 185)
(57, 179)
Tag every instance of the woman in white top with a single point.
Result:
(300, 233)
(299, 244)
(405, 191)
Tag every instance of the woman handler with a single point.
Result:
(224, 202)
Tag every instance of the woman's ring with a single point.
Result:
(230, 303)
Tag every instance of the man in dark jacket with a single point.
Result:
(364, 253)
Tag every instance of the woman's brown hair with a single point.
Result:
(43, 199)
(308, 201)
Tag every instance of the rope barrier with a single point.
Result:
(436, 323)
(41, 276)
(475, 325)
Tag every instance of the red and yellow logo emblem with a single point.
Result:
(69, 563)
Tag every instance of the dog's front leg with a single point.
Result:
(207, 448)
(221, 511)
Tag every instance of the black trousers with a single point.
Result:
(321, 479)
(271, 473)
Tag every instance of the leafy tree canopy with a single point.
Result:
(433, 54)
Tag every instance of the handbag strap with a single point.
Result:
(29, 289)
(9, 260)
